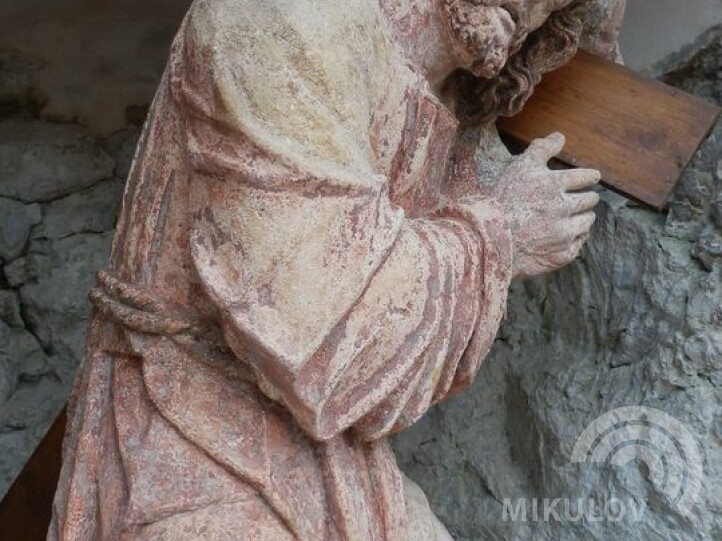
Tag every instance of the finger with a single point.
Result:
(582, 202)
(570, 253)
(543, 150)
(578, 179)
(579, 225)
(577, 246)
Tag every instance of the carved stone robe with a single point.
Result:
(290, 283)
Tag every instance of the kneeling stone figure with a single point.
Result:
(316, 242)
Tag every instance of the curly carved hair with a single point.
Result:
(480, 100)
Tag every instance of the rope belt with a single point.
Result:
(136, 309)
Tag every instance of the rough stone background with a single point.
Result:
(637, 321)
(60, 190)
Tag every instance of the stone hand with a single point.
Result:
(550, 213)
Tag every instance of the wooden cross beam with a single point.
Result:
(640, 133)
(26, 509)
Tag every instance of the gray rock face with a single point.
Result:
(51, 244)
(700, 73)
(16, 219)
(10, 309)
(41, 161)
(30, 396)
(92, 210)
(636, 321)
(54, 297)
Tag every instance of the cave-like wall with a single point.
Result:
(657, 29)
(96, 62)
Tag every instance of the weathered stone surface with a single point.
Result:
(42, 161)
(16, 220)
(10, 309)
(19, 270)
(16, 446)
(45, 345)
(55, 253)
(55, 299)
(93, 210)
(121, 147)
(23, 353)
(636, 321)
(30, 395)
(24, 420)
(18, 82)
(7, 379)
(701, 71)
(708, 250)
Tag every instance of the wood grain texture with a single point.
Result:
(26, 509)
(640, 133)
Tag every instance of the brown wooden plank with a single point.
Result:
(26, 509)
(640, 133)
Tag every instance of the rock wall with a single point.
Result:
(95, 62)
(659, 28)
(60, 190)
(76, 79)
(637, 321)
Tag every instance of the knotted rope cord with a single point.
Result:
(136, 309)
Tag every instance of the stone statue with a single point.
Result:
(316, 242)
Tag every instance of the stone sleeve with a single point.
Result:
(351, 315)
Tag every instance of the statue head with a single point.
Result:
(505, 46)
(485, 33)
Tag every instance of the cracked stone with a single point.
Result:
(23, 269)
(40, 161)
(707, 250)
(93, 210)
(15, 448)
(16, 273)
(717, 214)
(56, 299)
(7, 380)
(697, 187)
(16, 220)
(21, 360)
(22, 352)
(23, 410)
(23, 422)
(121, 146)
(10, 309)
(684, 221)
